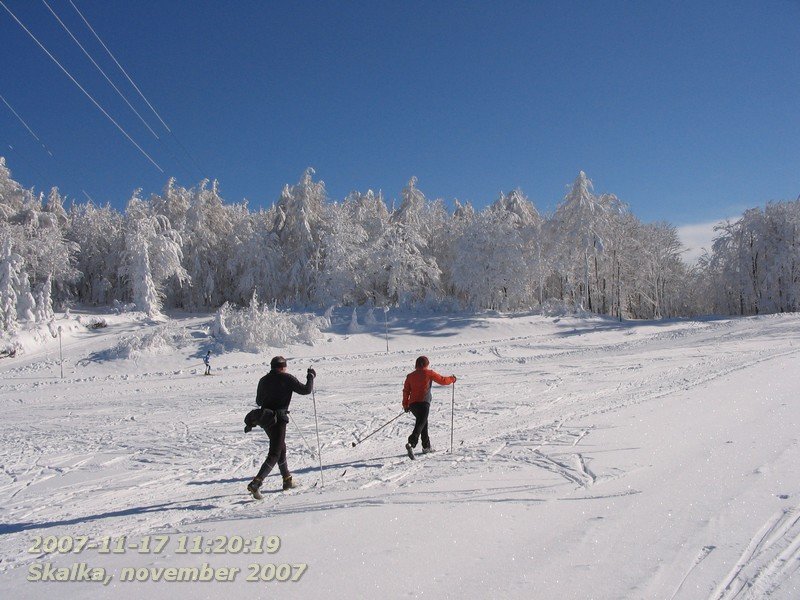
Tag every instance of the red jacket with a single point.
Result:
(417, 387)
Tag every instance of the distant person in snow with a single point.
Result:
(207, 362)
(417, 399)
(273, 395)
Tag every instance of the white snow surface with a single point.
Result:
(591, 459)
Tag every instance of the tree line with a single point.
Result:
(189, 249)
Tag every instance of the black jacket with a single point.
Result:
(275, 389)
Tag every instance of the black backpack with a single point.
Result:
(264, 417)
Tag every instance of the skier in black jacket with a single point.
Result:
(274, 395)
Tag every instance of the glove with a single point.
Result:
(312, 372)
(406, 409)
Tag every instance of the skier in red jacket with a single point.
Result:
(417, 399)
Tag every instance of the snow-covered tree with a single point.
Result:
(406, 271)
(100, 235)
(579, 229)
(55, 207)
(354, 326)
(406, 274)
(517, 211)
(255, 259)
(12, 195)
(754, 266)
(622, 265)
(517, 204)
(783, 260)
(26, 303)
(344, 248)
(152, 255)
(258, 327)
(298, 220)
(369, 210)
(138, 271)
(44, 301)
(174, 203)
(489, 274)
(592, 253)
(10, 269)
(412, 208)
(205, 247)
(660, 269)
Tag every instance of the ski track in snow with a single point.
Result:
(147, 451)
(771, 557)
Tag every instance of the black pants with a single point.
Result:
(277, 451)
(420, 410)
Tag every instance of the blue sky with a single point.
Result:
(688, 111)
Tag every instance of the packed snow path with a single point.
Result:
(592, 459)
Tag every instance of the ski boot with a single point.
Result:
(253, 488)
(410, 451)
(428, 450)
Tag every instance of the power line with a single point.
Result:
(35, 169)
(120, 66)
(19, 157)
(111, 83)
(88, 95)
(194, 162)
(36, 137)
(28, 164)
(136, 87)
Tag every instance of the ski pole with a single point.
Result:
(386, 324)
(60, 353)
(319, 449)
(452, 416)
(378, 429)
(301, 435)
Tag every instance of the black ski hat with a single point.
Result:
(278, 362)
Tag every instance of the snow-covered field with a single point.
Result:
(592, 459)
